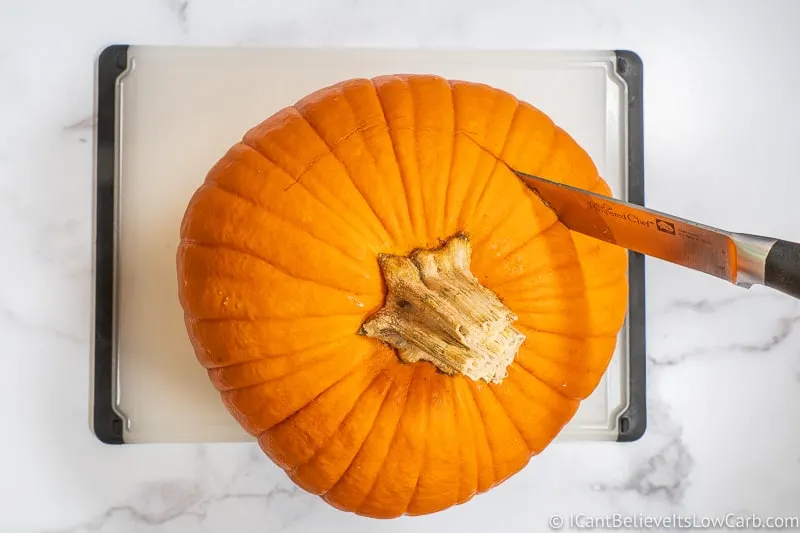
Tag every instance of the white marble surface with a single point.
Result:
(722, 130)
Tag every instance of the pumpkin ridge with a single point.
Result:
(529, 370)
(361, 128)
(414, 121)
(408, 187)
(423, 388)
(563, 142)
(315, 355)
(549, 153)
(606, 298)
(501, 159)
(489, 388)
(528, 303)
(557, 413)
(367, 232)
(332, 152)
(356, 225)
(224, 287)
(225, 190)
(471, 408)
(214, 346)
(389, 448)
(439, 482)
(582, 360)
(384, 128)
(482, 421)
(504, 218)
(301, 430)
(434, 116)
(446, 199)
(527, 315)
(497, 476)
(522, 434)
(532, 296)
(265, 358)
(565, 335)
(379, 373)
(423, 452)
(528, 242)
(187, 243)
(251, 177)
(315, 160)
(465, 427)
(260, 409)
(447, 214)
(259, 318)
(497, 159)
(492, 110)
(396, 159)
(313, 363)
(406, 384)
(520, 368)
(451, 389)
(480, 242)
(575, 293)
(523, 243)
(333, 478)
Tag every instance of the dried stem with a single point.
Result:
(437, 311)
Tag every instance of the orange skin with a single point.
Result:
(277, 269)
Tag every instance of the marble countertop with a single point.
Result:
(722, 125)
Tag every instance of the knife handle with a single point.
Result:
(782, 268)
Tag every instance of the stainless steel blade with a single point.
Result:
(734, 257)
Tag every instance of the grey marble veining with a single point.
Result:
(199, 501)
(724, 364)
(759, 341)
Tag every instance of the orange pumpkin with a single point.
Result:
(394, 315)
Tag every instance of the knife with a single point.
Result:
(740, 258)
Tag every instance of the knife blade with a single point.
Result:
(740, 258)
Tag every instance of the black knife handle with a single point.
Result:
(782, 268)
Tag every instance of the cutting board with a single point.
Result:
(166, 114)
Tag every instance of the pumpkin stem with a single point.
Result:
(437, 311)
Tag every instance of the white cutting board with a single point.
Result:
(178, 111)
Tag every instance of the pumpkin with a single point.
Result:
(380, 301)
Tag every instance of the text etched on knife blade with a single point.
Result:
(608, 210)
